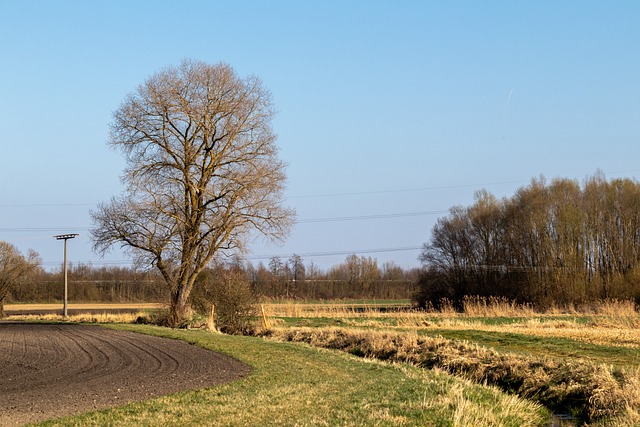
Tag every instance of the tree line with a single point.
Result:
(292, 278)
(560, 242)
(356, 277)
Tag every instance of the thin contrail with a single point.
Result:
(506, 106)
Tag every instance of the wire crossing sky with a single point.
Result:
(390, 113)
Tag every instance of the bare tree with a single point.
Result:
(556, 242)
(13, 268)
(202, 174)
(296, 265)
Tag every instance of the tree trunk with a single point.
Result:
(177, 313)
(2, 314)
(179, 310)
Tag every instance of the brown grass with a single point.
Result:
(105, 317)
(473, 306)
(296, 309)
(495, 307)
(601, 331)
(587, 390)
(87, 306)
(612, 322)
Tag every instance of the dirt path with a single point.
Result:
(49, 371)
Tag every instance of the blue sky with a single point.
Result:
(385, 108)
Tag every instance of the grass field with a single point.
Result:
(301, 385)
(582, 361)
(496, 364)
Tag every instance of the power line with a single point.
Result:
(405, 190)
(353, 193)
(341, 252)
(43, 205)
(365, 217)
(265, 257)
(40, 229)
(93, 263)
(301, 221)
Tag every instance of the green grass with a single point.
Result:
(298, 385)
(555, 347)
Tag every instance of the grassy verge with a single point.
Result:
(510, 335)
(591, 392)
(293, 384)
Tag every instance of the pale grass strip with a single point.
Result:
(85, 306)
(85, 317)
(602, 333)
(588, 333)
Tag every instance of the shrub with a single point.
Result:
(231, 295)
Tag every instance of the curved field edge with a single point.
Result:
(296, 384)
(591, 392)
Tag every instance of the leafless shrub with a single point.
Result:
(230, 294)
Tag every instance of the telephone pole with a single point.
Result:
(65, 237)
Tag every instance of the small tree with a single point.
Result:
(296, 265)
(202, 174)
(13, 268)
(228, 289)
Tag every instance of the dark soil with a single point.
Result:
(49, 371)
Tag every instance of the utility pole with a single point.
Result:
(65, 237)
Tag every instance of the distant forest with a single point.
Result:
(557, 243)
(356, 277)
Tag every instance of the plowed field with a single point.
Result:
(48, 371)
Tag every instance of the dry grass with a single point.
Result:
(612, 322)
(84, 306)
(469, 412)
(587, 390)
(610, 307)
(495, 307)
(601, 331)
(594, 392)
(472, 307)
(341, 310)
(105, 317)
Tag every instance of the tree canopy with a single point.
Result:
(202, 173)
(14, 267)
(550, 242)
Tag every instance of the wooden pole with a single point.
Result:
(64, 307)
(212, 318)
(264, 318)
(65, 237)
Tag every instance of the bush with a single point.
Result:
(230, 293)
(433, 289)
